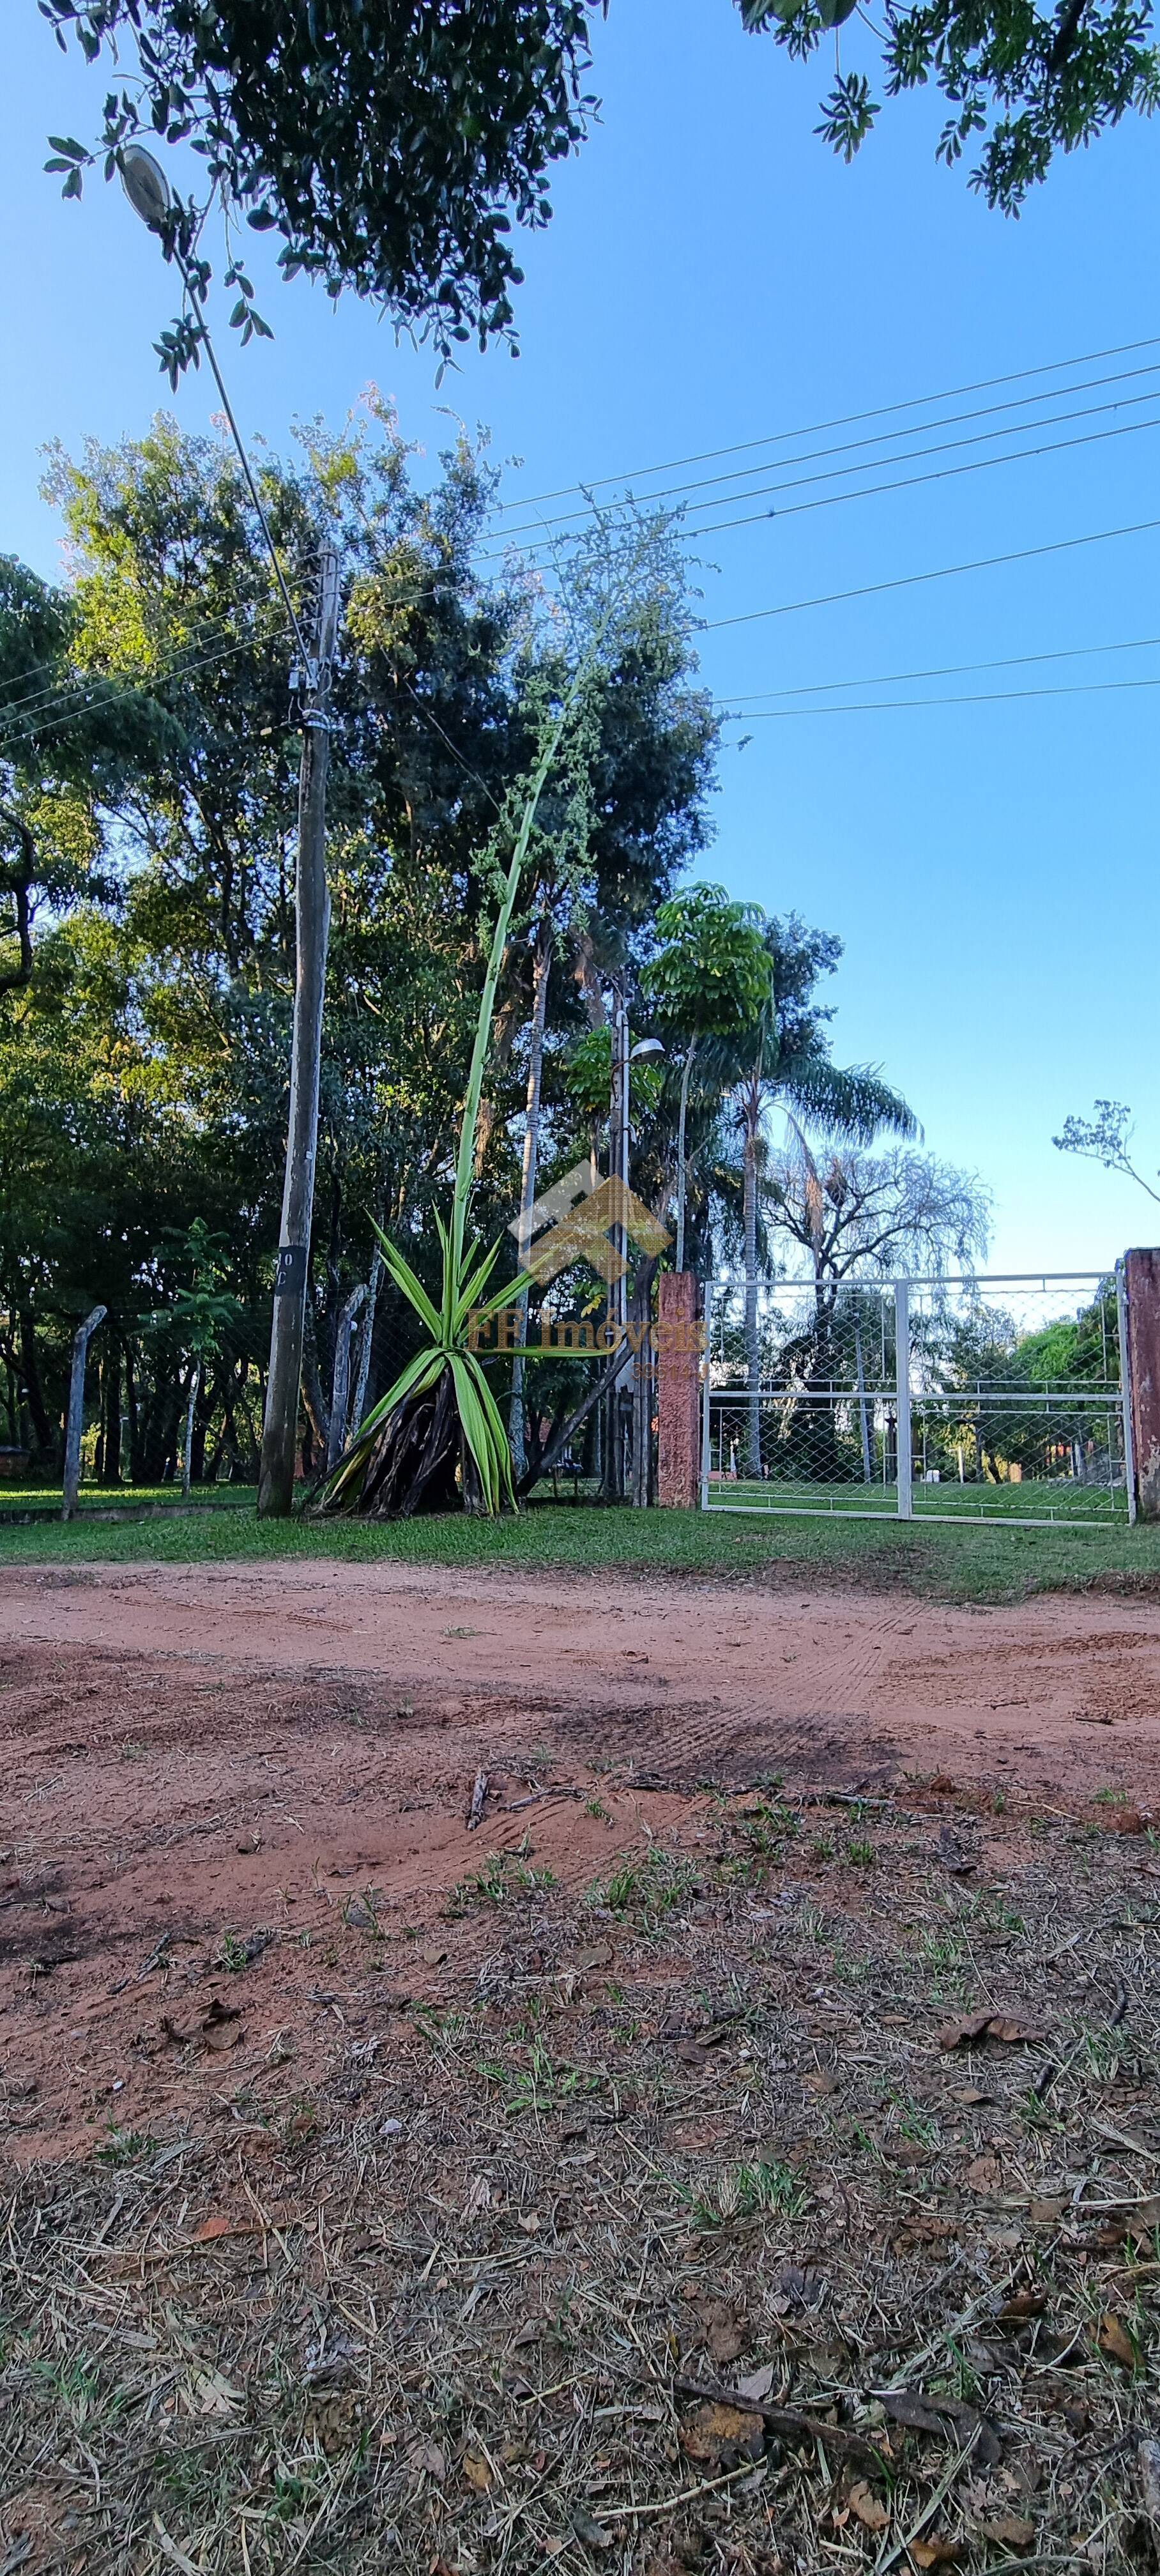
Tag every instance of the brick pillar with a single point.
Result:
(678, 1391)
(1142, 1281)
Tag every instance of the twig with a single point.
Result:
(787, 2420)
(686, 2495)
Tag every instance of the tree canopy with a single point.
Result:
(389, 147)
(1027, 83)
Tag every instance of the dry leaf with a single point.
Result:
(1022, 2304)
(724, 2330)
(935, 2553)
(1010, 2529)
(593, 2534)
(428, 2456)
(214, 2395)
(872, 2513)
(1114, 2343)
(477, 2472)
(759, 2382)
(718, 2434)
(975, 2028)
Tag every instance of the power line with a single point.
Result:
(979, 698)
(942, 572)
(51, 723)
(942, 671)
(811, 456)
(847, 420)
(910, 482)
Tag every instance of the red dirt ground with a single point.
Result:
(234, 1797)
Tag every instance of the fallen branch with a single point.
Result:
(792, 2424)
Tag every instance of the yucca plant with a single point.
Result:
(439, 1423)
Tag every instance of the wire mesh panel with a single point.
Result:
(960, 1399)
(801, 1401)
(1016, 1403)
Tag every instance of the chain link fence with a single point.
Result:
(975, 1399)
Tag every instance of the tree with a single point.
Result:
(711, 978)
(1031, 82)
(385, 146)
(855, 1216)
(1105, 1139)
(785, 1059)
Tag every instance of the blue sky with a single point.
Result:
(712, 275)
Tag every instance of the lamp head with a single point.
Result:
(145, 186)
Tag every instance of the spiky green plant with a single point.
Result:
(447, 1376)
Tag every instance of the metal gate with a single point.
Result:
(999, 1398)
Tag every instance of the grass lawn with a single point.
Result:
(968, 1563)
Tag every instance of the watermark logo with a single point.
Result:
(580, 1213)
(574, 1222)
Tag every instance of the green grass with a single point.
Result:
(1054, 1498)
(17, 1496)
(967, 1563)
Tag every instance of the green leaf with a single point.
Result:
(413, 1289)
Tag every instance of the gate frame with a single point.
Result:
(1119, 1402)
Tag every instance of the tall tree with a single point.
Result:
(785, 1059)
(711, 978)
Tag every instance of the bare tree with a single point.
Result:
(1105, 1139)
(855, 1213)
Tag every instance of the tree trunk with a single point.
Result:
(863, 1416)
(541, 971)
(681, 1176)
(752, 1346)
(358, 1408)
(111, 1388)
(191, 1407)
(340, 1384)
(136, 1474)
(312, 907)
(76, 1411)
(42, 1431)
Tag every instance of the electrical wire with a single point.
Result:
(72, 715)
(941, 671)
(910, 482)
(979, 698)
(811, 456)
(941, 572)
(846, 420)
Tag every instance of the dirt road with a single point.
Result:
(205, 1756)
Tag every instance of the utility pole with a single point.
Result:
(312, 927)
(617, 1299)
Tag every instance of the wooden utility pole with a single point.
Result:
(312, 926)
(76, 1411)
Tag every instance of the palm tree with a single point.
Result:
(784, 1059)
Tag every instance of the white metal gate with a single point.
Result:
(998, 1399)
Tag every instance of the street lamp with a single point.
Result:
(151, 197)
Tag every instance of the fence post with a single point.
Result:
(678, 1390)
(705, 1385)
(902, 1382)
(76, 1411)
(1126, 1390)
(1142, 1299)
